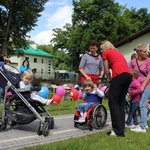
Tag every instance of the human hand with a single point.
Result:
(88, 78)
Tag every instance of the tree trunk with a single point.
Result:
(6, 38)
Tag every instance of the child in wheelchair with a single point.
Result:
(91, 95)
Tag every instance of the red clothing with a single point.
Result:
(116, 61)
(93, 78)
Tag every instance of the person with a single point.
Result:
(92, 95)
(142, 65)
(3, 59)
(135, 95)
(25, 66)
(27, 77)
(120, 80)
(133, 56)
(91, 64)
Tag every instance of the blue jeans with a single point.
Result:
(143, 110)
(1, 91)
(84, 106)
(132, 113)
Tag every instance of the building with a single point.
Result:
(127, 45)
(40, 62)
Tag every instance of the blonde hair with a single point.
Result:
(28, 73)
(106, 45)
(89, 83)
(139, 47)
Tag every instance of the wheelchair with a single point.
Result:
(96, 117)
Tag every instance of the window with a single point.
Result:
(41, 71)
(42, 61)
(35, 60)
(34, 70)
(26, 58)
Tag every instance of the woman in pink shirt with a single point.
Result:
(142, 65)
(135, 96)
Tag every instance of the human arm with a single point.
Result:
(82, 66)
(23, 68)
(84, 74)
(84, 93)
(99, 92)
(147, 79)
(107, 70)
(136, 88)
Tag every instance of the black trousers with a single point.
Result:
(117, 92)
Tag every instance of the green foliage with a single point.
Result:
(99, 20)
(17, 18)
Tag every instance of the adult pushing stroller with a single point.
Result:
(19, 108)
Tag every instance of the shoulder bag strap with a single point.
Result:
(140, 69)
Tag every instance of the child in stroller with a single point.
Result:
(20, 109)
(27, 77)
(93, 99)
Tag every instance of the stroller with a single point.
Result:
(19, 108)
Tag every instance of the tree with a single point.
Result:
(17, 18)
(99, 20)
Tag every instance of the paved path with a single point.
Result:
(16, 137)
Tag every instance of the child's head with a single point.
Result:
(134, 73)
(27, 77)
(88, 85)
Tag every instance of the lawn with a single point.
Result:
(100, 141)
(95, 141)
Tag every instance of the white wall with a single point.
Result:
(127, 49)
(46, 66)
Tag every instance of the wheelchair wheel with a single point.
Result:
(76, 124)
(99, 116)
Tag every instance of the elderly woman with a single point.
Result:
(120, 81)
(142, 65)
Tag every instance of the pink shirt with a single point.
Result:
(135, 90)
(145, 67)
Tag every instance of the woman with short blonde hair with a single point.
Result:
(119, 83)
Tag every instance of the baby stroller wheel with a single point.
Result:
(39, 132)
(10, 122)
(46, 128)
(99, 116)
(3, 125)
(52, 122)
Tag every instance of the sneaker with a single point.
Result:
(49, 101)
(111, 133)
(134, 126)
(146, 126)
(139, 129)
(127, 126)
(81, 119)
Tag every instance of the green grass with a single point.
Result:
(67, 107)
(95, 141)
(100, 141)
